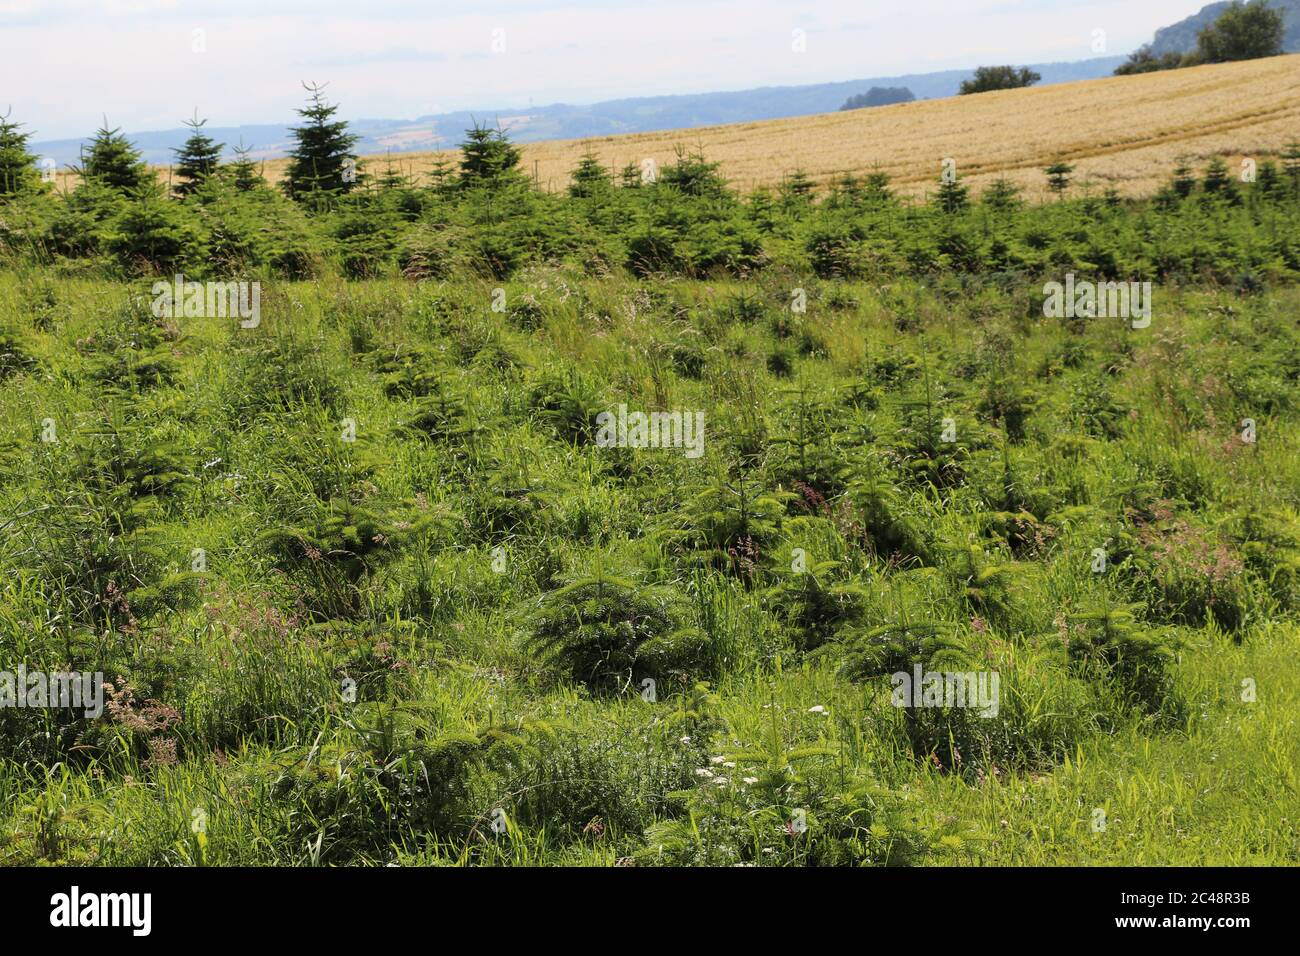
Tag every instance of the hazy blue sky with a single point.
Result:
(65, 62)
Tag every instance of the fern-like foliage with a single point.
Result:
(148, 466)
(1269, 542)
(890, 530)
(606, 630)
(890, 648)
(132, 353)
(339, 547)
(440, 416)
(814, 605)
(566, 403)
(811, 456)
(929, 458)
(1107, 639)
(730, 521)
(408, 371)
(986, 585)
(15, 356)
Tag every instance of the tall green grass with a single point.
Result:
(430, 645)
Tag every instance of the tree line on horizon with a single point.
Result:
(879, 96)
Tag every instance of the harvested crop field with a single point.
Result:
(1126, 132)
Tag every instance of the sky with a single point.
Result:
(149, 64)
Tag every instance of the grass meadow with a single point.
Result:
(370, 587)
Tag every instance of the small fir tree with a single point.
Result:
(796, 189)
(1269, 181)
(112, 161)
(1058, 177)
(18, 172)
(246, 175)
(630, 177)
(488, 158)
(1002, 196)
(197, 159)
(953, 196)
(589, 178)
(442, 177)
(393, 178)
(321, 164)
(1291, 164)
(1217, 180)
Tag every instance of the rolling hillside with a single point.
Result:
(1127, 132)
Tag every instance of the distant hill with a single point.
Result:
(563, 121)
(1181, 36)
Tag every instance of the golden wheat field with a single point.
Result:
(1126, 132)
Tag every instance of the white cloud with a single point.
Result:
(131, 8)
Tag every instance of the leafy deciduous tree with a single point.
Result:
(988, 78)
(1245, 31)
